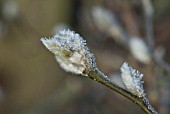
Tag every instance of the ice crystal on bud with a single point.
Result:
(132, 80)
(70, 51)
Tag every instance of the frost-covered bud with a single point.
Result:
(71, 52)
(132, 80)
(139, 50)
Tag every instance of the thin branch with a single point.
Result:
(148, 12)
(161, 63)
(98, 76)
(73, 55)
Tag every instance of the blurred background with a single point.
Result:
(31, 81)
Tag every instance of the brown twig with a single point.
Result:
(98, 76)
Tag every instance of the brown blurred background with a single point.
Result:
(31, 81)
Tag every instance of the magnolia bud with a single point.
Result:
(139, 50)
(71, 52)
(132, 80)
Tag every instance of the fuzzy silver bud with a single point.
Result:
(132, 80)
(71, 52)
(139, 50)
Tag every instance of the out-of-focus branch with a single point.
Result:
(128, 18)
(161, 63)
(148, 12)
(107, 22)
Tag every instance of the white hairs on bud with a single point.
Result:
(132, 80)
(70, 51)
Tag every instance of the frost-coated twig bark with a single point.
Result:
(73, 55)
(143, 103)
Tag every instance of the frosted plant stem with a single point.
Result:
(73, 55)
(143, 103)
